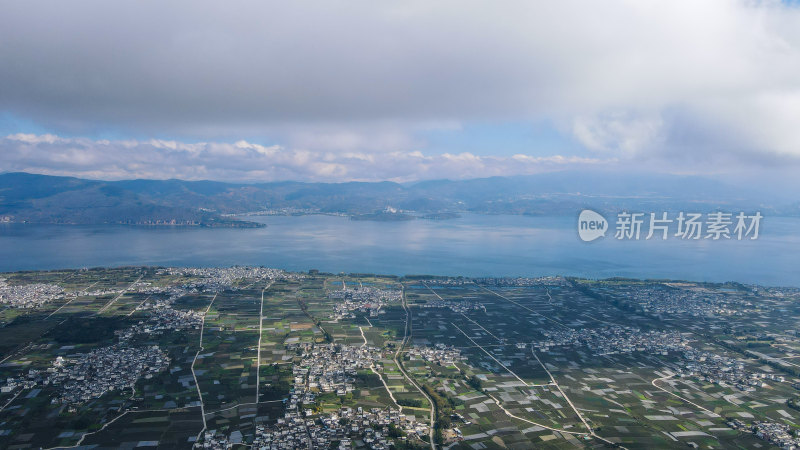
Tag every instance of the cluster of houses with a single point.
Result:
(28, 295)
(162, 296)
(373, 429)
(365, 299)
(701, 364)
(502, 282)
(215, 279)
(326, 368)
(695, 302)
(441, 354)
(461, 306)
(553, 281)
(615, 339)
(778, 434)
(332, 367)
(775, 291)
(163, 320)
(285, 211)
(724, 371)
(86, 376)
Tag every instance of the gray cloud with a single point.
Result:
(627, 79)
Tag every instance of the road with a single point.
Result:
(564, 394)
(87, 434)
(523, 306)
(490, 355)
(12, 399)
(194, 375)
(465, 316)
(711, 413)
(362, 336)
(406, 337)
(139, 305)
(118, 296)
(372, 368)
(510, 414)
(260, 333)
(552, 379)
(70, 301)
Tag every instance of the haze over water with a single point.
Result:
(473, 245)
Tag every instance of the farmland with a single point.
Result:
(254, 357)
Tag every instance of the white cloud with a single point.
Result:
(619, 133)
(245, 161)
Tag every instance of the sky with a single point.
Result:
(403, 91)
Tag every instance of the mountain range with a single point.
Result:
(34, 198)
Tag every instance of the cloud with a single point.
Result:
(628, 79)
(625, 134)
(248, 162)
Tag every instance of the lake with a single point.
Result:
(473, 245)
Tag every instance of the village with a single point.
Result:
(331, 368)
(458, 306)
(327, 368)
(85, 376)
(704, 365)
(28, 295)
(675, 298)
(364, 298)
(724, 371)
(215, 279)
(615, 339)
(780, 435)
(441, 354)
(373, 429)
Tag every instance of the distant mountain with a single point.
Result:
(45, 199)
(34, 198)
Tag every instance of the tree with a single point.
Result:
(475, 383)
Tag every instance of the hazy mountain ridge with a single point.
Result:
(49, 199)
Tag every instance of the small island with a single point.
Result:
(387, 215)
(441, 216)
(383, 216)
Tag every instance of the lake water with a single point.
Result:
(473, 245)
